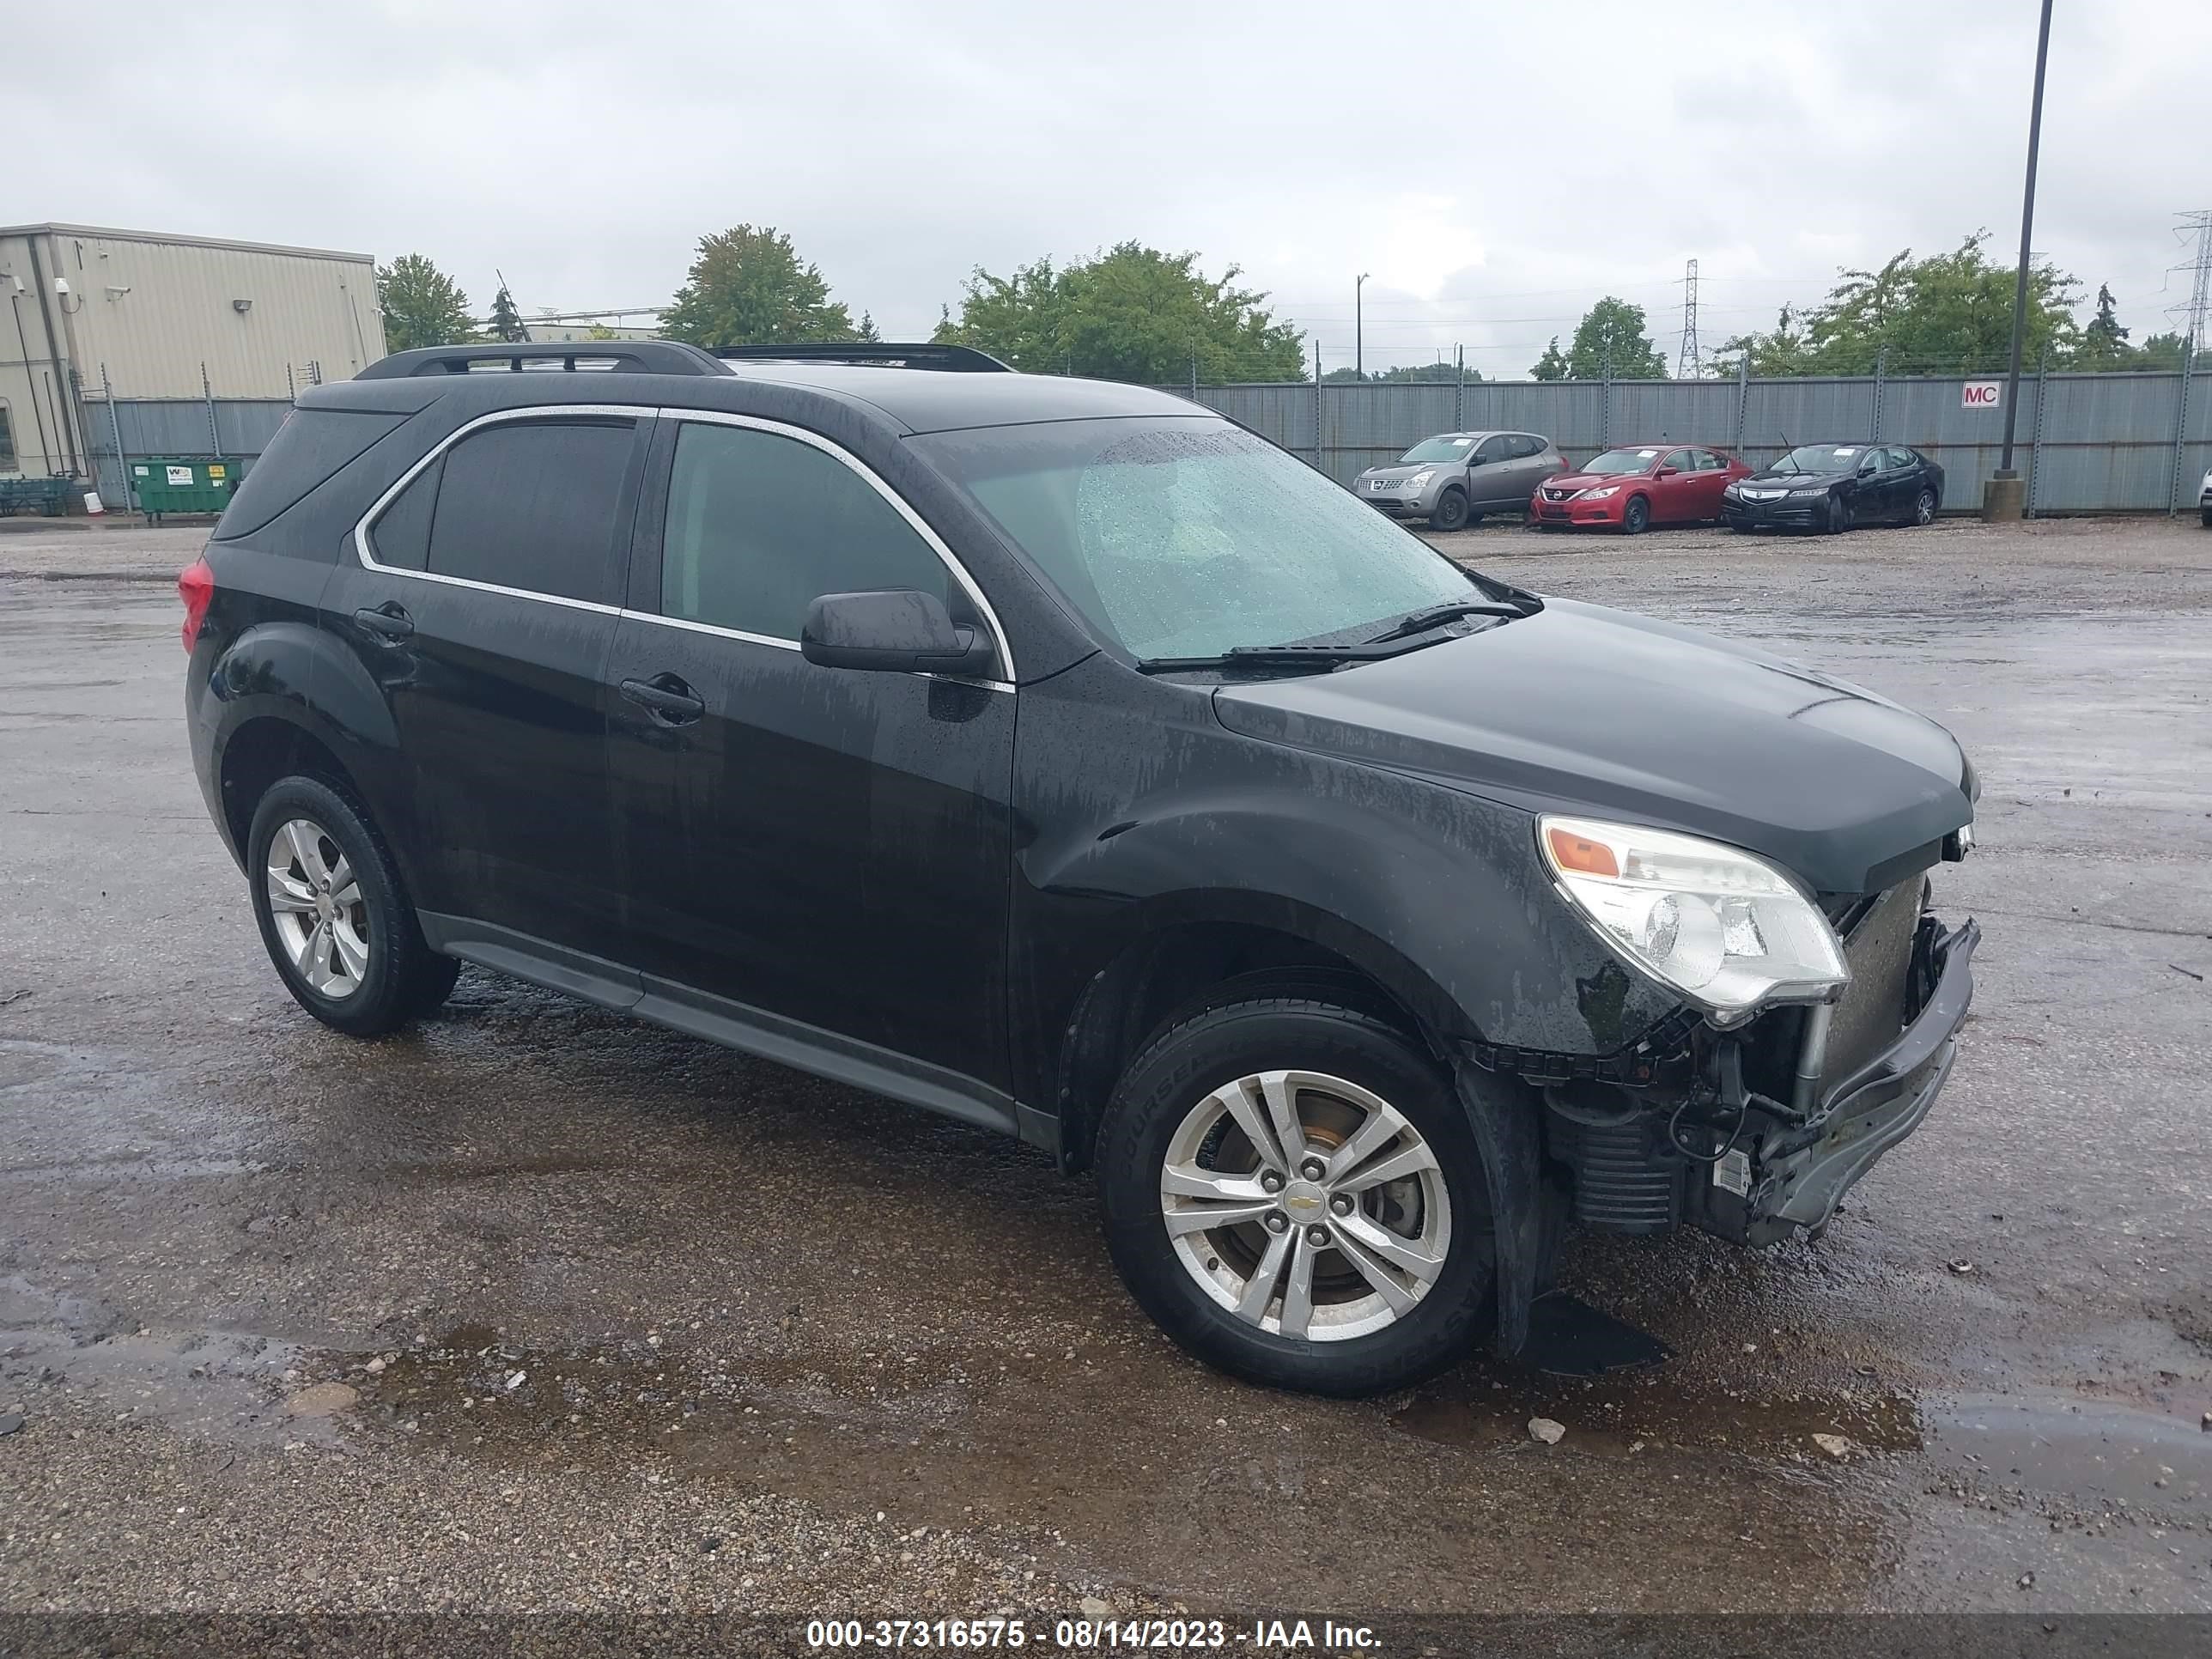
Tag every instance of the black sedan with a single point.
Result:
(1832, 487)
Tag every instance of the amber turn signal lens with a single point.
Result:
(1589, 858)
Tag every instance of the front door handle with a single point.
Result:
(666, 698)
(389, 621)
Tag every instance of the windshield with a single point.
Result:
(1439, 449)
(1822, 458)
(1185, 538)
(1623, 460)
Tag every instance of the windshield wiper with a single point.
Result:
(1280, 656)
(1435, 616)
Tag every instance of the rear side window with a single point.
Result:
(309, 446)
(1521, 446)
(401, 535)
(533, 506)
(760, 526)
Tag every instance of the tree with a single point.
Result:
(2104, 342)
(1552, 365)
(2159, 352)
(1130, 313)
(1436, 373)
(867, 332)
(1947, 313)
(1610, 340)
(421, 305)
(505, 320)
(749, 287)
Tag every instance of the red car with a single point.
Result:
(1630, 488)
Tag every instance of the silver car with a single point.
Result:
(1455, 478)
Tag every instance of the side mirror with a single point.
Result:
(898, 631)
(1667, 472)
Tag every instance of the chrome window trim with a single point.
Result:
(634, 412)
(1002, 647)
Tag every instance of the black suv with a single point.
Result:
(1062, 758)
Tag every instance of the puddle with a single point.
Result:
(1622, 1416)
(2094, 1452)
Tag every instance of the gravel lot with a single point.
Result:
(536, 1308)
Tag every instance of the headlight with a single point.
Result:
(1817, 489)
(1601, 494)
(1728, 930)
(1420, 480)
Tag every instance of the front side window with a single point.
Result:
(760, 525)
(533, 505)
(1679, 459)
(1493, 449)
(1185, 536)
(7, 442)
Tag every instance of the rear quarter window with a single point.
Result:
(311, 445)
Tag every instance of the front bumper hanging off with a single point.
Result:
(1793, 1176)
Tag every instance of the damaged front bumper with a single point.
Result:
(1791, 1176)
(1757, 1132)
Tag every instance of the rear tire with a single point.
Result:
(1923, 508)
(333, 914)
(1451, 511)
(2207, 517)
(1324, 1311)
(1636, 517)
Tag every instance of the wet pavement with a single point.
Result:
(616, 1320)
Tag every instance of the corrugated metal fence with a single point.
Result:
(2087, 443)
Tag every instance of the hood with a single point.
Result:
(1398, 470)
(1796, 480)
(1590, 480)
(1587, 709)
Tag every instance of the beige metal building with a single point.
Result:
(154, 311)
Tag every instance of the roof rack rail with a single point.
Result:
(621, 357)
(874, 353)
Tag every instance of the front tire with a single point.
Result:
(333, 916)
(1451, 511)
(1840, 517)
(1636, 517)
(1290, 1188)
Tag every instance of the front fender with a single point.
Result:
(1140, 808)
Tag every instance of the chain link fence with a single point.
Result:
(120, 429)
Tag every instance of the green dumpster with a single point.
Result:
(182, 484)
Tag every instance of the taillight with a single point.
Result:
(196, 587)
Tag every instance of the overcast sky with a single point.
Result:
(1495, 167)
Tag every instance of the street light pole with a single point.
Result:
(2004, 496)
(1359, 288)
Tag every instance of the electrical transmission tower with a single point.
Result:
(1690, 362)
(2197, 315)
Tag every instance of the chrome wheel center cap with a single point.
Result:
(1304, 1200)
(324, 908)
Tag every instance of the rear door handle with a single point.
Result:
(388, 622)
(666, 698)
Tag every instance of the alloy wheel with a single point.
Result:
(1923, 508)
(320, 914)
(1305, 1205)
